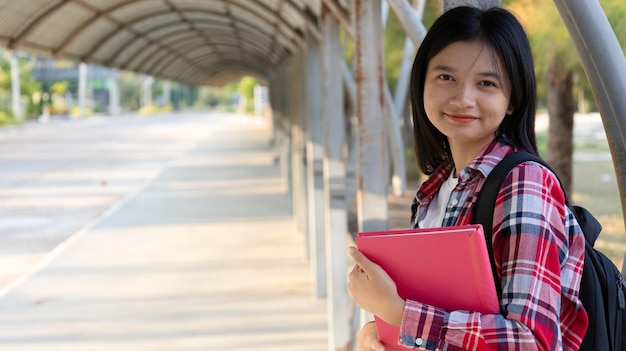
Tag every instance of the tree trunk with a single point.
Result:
(560, 132)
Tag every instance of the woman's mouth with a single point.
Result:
(461, 118)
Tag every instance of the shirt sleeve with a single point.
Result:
(539, 276)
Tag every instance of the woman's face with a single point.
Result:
(467, 94)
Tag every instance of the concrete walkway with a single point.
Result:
(205, 257)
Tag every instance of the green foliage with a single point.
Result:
(553, 47)
(394, 41)
(28, 86)
(60, 87)
(549, 37)
(130, 88)
(413, 171)
(214, 97)
(615, 11)
(246, 90)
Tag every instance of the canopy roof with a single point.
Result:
(195, 42)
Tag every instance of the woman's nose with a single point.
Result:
(463, 96)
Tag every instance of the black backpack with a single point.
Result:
(602, 287)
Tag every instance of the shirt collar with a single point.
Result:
(483, 163)
(489, 158)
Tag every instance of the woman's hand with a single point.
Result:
(368, 338)
(374, 290)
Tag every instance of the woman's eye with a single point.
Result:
(487, 83)
(444, 77)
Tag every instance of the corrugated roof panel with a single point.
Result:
(190, 43)
(146, 23)
(315, 6)
(203, 17)
(170, 33)
(107, 50)
(286, 43)
(216, 6)
(90, 35)
(126, 55)
(293, 16)
(139, 56)
(157, 36)
(261, 26)
(251, 12)
(137, 9)
(269, 4)
(64, 21)
(164, 31)
(105, 4)
(15, 14)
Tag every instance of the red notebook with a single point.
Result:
(447, 267)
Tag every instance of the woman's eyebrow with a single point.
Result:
(490, 74)
(444, 68)
(486, 74)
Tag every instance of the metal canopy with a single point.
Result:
(196, 42)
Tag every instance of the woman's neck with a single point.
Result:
(463, 154)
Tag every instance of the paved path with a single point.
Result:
(199, 254)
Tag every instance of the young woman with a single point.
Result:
(473, 95)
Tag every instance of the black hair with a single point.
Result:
(500, 31)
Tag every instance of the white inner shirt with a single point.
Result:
(437, 207)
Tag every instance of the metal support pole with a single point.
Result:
(481, 4)
(396, 145)
(394, 137)
(82, 89)
(297, 142)
(167, 88)
(339, 16)
(285, 124)
(350, 86)
(315, 173)
(408, 18)
(335, 185)
(146, 89)
(402, 85)
(604, 63)
(114, 96)
(373, 178)
(16, 96)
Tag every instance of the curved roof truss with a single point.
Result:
(182, 40)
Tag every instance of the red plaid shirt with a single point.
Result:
(539, 250)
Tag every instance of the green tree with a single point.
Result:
(559, 72)
(130, 87)
(28, 86)
(246, 91)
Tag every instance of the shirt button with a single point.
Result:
(454, 202)
(419, 342)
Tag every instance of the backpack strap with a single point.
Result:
(482, 213)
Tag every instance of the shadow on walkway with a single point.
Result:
(206, 257)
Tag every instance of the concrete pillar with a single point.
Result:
(146, 92)
(315, 172)
(336, 188)
(82, 89)
(373, 165)
(114, 96)
(297, 141)
(16, 96)
(167, 92)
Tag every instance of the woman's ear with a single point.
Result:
(510, 110)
